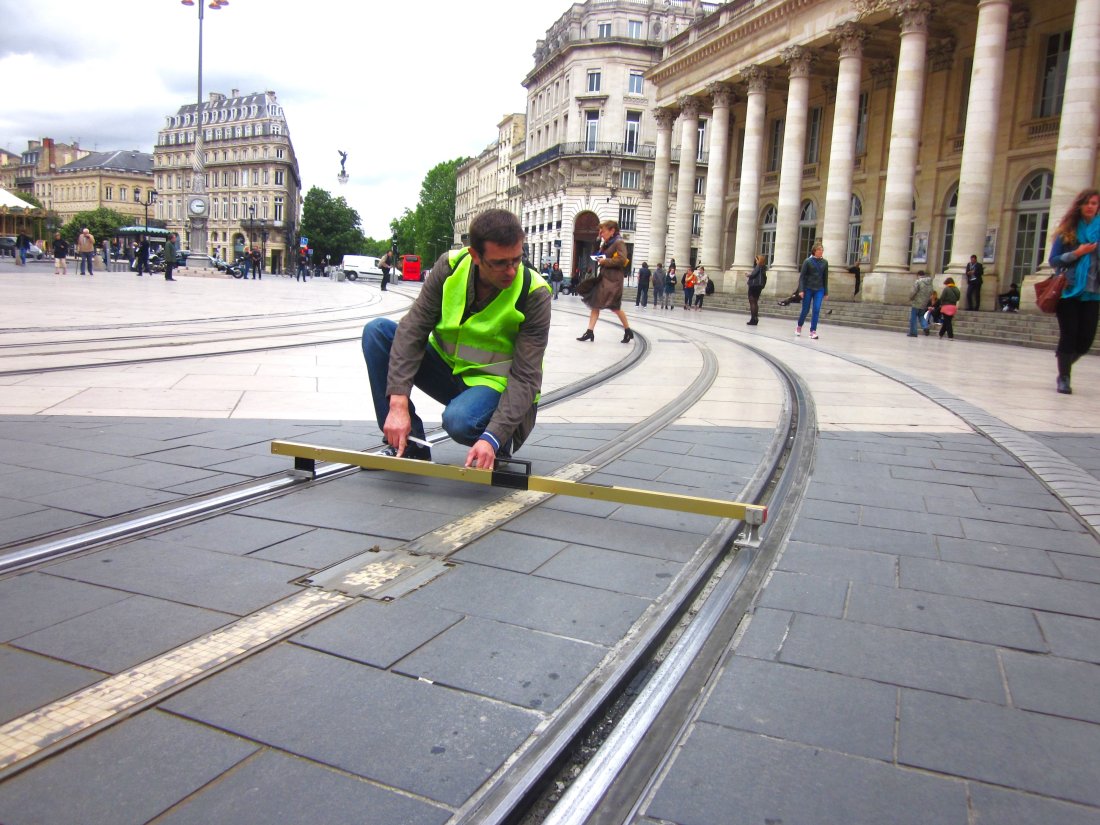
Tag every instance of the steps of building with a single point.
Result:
(1024, 329)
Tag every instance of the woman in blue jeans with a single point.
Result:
(813, 287)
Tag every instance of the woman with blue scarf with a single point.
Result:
(1074, 252)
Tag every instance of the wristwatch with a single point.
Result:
(197, 206)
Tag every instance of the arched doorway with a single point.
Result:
(585, 239)
(1032, 218)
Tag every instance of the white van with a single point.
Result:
(361, 266)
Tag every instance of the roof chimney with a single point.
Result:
(234, 92)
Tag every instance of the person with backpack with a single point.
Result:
(473, 340)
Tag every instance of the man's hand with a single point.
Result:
(481, 455)
(398, 423)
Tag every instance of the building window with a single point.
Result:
(813, 136)
(255, 177)
(628, 218)
(633, 129)
(267, 177)
(861, 124)
(593, 80)
(1053, 86)
(278, 208)
(807, 230)
(634, 29)
(775, 145)
(1033, 212)
(603, 30)
(629, 179)
(700, 152)
(696, 223)
(280, 153)
(280, 178)
(767, 234)
(855, 227)
(636, 83)
(949, 227)
(108, 193)
(964, 97)
(700, 185)
(591, 130)
(137, 194)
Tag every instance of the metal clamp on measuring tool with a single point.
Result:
(305, 456)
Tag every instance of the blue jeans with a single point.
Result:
(642, 296)
(467, 410)
(814, 296)
(916, 317)
(86, 258)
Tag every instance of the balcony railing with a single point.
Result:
(643, 151)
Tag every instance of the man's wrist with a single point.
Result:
(491, 439)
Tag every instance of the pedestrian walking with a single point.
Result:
(386, 264)
(758, 279)
(85, 248)
(949, 307)
(813, 288)
(919, 297)
(1074, 252)
(22, 244)
(141, 260)
(170, 257)
(644, 276)
(608, 290)
(60, 255)
(658, 283)
(557, 277)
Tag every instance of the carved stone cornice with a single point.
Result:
(849, 38)
(914, 15)
(756, 78)
(865, 8)
(689, 106)
(722, 94)
(664, 117)
(798, 60)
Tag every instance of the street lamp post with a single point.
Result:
(198, 204)
(150, 199)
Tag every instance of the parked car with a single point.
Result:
(35, 251)
(7, 248)
(361, 266)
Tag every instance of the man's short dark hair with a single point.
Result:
(496, 225)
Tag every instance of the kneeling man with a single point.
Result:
(474, 341)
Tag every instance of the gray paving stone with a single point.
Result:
(765, 633)
(769, 782)
(10, 507)
(841, 511)
(199, 457)
(232, 533)
(103, 498)
(350, 516)
(1004, 746)
(839, 713)
(898, 657)
(59, 459)
(997, 806)
(956, 618)
(31, 681)
(840, 563)
(1071, 637)
(206, 485)
(319, 548)
(915, 520)
(805, 593)
(272, 787)
(32, 525)
(613, 535)
(1039, 537)
(110, 443)
(203, 578)
(155, 476)
(898, 458)
(611, 570)
(971, 464)
(569, 610)
(421, 738)
(31, 601)
(1048, 684)
(129, 773)
(1038, 499)
(961, 479)
(1005, 587)
(500, 661)
(510, 551)
(1078, 568)
(257, 465)
(982, 511)
(584, 506)
(895, 542)
(377, 633)
(117, 636)
(998, 556)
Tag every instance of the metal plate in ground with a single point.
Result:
(379, 574)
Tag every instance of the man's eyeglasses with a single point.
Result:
(502, 263)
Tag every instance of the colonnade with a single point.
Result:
(1075, 163)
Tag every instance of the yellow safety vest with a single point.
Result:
(479, 349)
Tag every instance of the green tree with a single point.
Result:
(29, 198)
(332, 226)
(428, 230)
(102, 222)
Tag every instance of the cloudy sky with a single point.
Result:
(400, 86)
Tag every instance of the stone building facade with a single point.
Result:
(252, 179)
(592, 128)
(488, 180)
(117, 180)
(902, 134)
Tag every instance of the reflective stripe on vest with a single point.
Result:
(479, 350)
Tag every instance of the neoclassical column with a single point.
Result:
(983, 111)
(849, 38)
(748, 199)
(713, 225)
(886, 283)
(685, 179)
(662, 168)
(1075, 161)
(798, 61)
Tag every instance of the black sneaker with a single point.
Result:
(412, 450)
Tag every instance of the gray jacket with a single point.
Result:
(922, 292)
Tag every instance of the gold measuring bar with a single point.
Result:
(306, 455)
